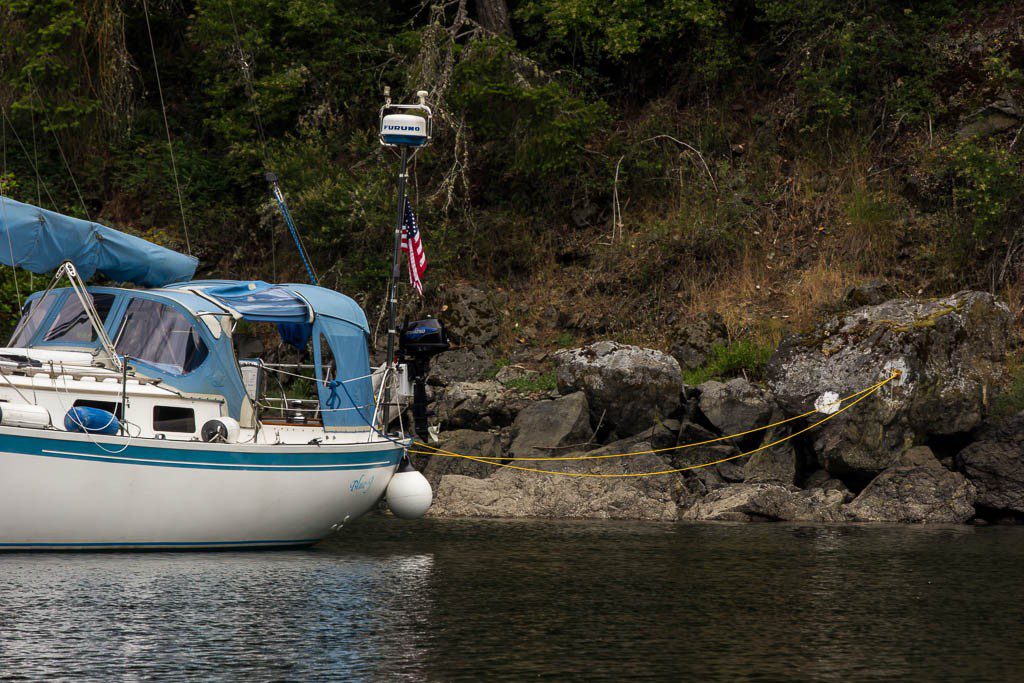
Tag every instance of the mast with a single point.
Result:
(403, 131)
(396, 270)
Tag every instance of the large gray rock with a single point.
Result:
(511, 493)
(697, 448)
(778, 464)
(999, 116)
(763, 501)
(995, 464)
(869, 294)
(628, 387)
(545, 428)
(472, 315)
(918, 456)
(928, 494)
(735, 406)
(466, 364)
(949, 351)
(824, 481)
(695, 339)
(477, 405)
(463, 442)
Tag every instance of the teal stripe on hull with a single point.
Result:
(158, 545)
(167, 456)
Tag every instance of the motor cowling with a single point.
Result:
(421, 340)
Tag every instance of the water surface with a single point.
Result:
(511, 600)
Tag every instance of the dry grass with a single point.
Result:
(813, 228)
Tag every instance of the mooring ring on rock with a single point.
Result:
(828, 403)
(899, 368)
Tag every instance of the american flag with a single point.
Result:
(413, 245)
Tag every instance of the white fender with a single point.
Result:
(408, 494)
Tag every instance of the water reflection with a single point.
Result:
(289, 614)
(464, 600)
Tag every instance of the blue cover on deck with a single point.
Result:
(257, 300)
(40, 240)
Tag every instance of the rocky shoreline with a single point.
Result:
(926, 448)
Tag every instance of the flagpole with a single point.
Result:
(396, 269)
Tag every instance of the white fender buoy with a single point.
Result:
(408, 494)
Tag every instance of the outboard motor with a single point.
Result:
(421, 340)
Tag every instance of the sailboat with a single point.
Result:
(139, 416)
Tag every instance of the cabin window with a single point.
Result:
(72, 323)
(108, 406)
(157, 333)
(32, 316)
(174, 419)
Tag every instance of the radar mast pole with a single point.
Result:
(403, 131)
(396, 270)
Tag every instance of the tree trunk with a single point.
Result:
(493, 16)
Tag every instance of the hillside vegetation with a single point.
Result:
(614, 168)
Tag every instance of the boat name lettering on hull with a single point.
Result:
(363, 483)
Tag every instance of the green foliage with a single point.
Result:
(622, 27)
(496, 368)
(530, 130)
(850, 58)
(1011, 400)
(731, 360)
(15, 286)
(535, 130)
(986, 188)
(47, 30)
(534, 383)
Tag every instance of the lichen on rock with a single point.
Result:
(948, 351)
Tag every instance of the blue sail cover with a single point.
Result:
(39, 240)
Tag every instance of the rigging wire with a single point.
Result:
(28, 157)
(60, 148)
(167, 127)
(35, 156)
(250, 90)
(250, 93)
(245, 64)
(3, 206)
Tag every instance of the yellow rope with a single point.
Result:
(441, 451)
(492, 461)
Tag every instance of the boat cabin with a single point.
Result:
(184, 364)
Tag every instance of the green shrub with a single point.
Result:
(730, 360)
(851, 61)
(986, 187)
(534, 383)
(530, 128)
(1010, 400)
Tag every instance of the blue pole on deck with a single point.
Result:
(275, 190)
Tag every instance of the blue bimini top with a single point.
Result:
(39, 240)
(334, 322)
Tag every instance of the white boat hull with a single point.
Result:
(60, 490)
